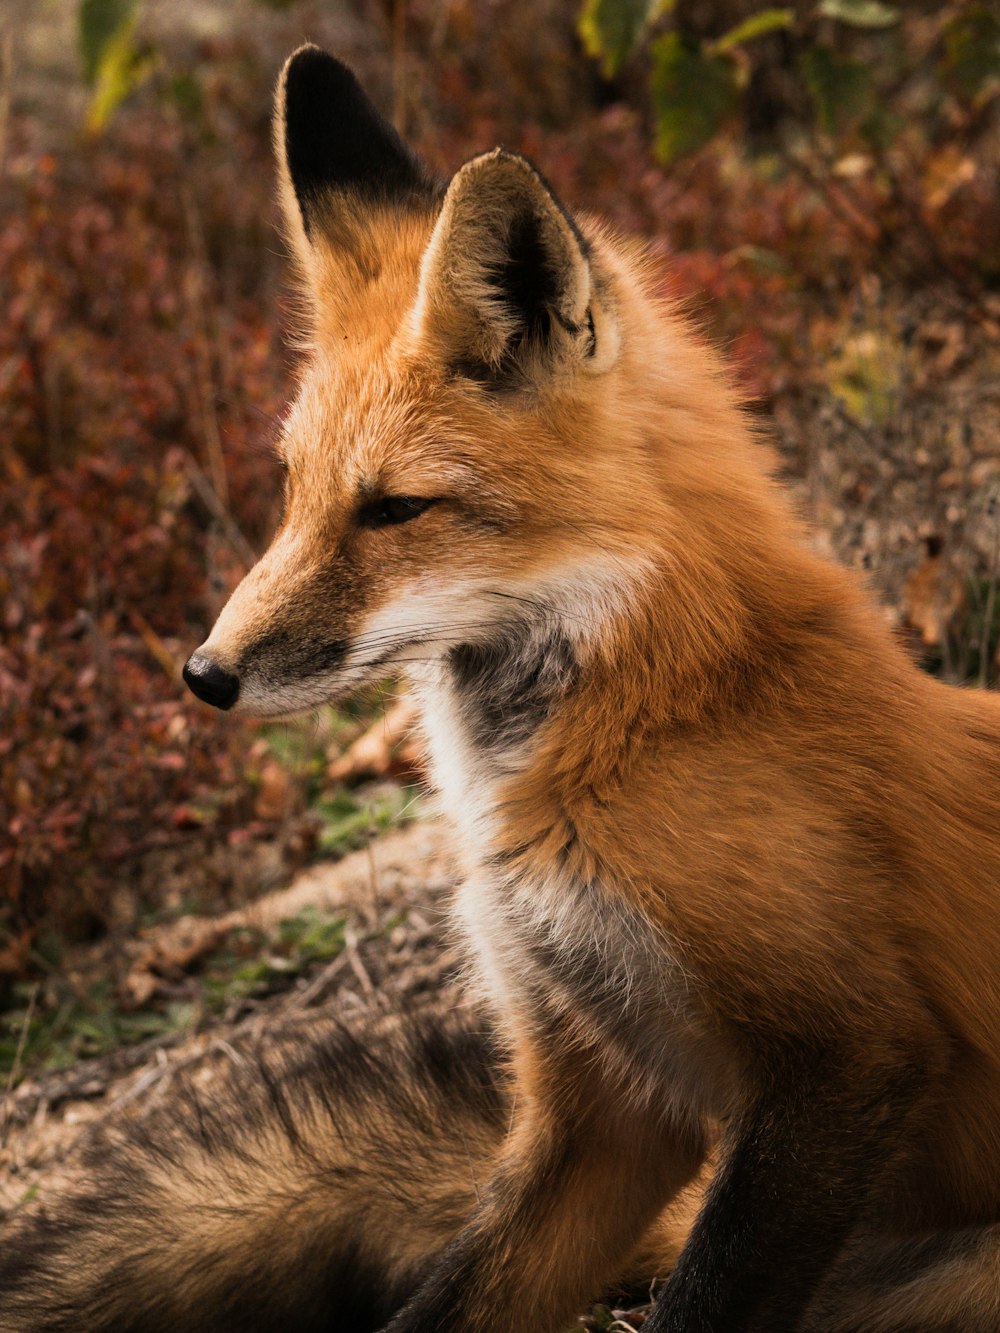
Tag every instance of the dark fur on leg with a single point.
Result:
(795, 1178)
(947, 1282)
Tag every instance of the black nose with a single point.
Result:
(210, 682)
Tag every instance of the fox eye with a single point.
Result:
(392, 509)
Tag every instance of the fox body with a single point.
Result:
(731, 863)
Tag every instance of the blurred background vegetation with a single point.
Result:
(820, 183)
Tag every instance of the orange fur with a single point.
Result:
(737, 862)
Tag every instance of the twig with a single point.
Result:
(373, 883)
(303, 998)
(846, 419)
(155, 645)
(145, 1081)
(196, 287)
(166, 1069)
(358, 968)
(22, 1038)
(220, 1044)
(835, 196)
(52, 387)
(912, 207)
(6, 87)
(210, 498)
(94, 1075)
(839, 200)
(154, 842)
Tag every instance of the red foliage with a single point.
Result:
(126, 353)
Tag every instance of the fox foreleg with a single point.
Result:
(558, 1220)
(799, 1167)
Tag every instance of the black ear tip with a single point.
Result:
(335, 138)
(313, 72)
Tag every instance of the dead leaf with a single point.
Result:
(169, 953)
(386, 749)
(275, 794)
(15, 953)
(946, 172)
(934, 597)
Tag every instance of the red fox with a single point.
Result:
(731, 862)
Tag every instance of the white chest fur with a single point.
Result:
(574, 961)
(580, 965)
(461, 775)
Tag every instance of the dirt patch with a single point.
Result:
(391, 897)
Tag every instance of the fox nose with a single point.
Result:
(210, 682)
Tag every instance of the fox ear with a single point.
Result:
(337, 156)
(507, 286)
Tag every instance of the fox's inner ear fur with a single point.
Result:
(339, 160)
(507, 284)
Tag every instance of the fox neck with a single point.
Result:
(560, 705)
(484, 707)
(497, 713)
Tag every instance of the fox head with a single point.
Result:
(478, 432)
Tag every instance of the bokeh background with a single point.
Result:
(819, 184)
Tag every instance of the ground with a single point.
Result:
(385, 906)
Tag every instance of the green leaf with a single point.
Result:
(694, 93)
(99, 22)
(112, 65)
(121, 70)
(860, 13)
(842, 90)
(757, 25)
(972, 51)
(184, 91)
(348, 821)
(611, 29)
(882, 127)
(601, 1318)
(312, 936)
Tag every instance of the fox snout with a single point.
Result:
(212, 683)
